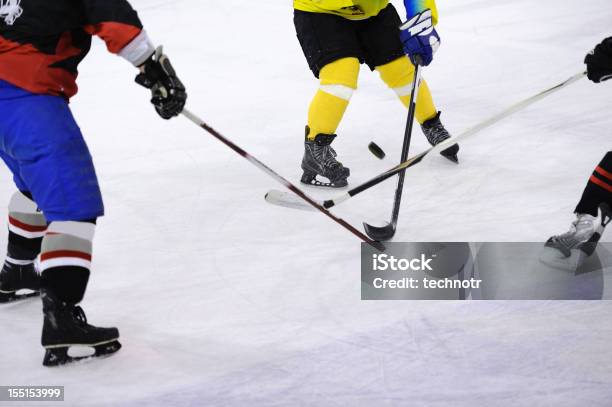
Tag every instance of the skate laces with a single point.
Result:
(324, 152)
(79, 315)
(326, 155)
(436, 133)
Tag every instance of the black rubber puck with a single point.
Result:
(377, 151)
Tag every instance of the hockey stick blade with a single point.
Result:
(380, 233)
(287, 200)
(14, 297)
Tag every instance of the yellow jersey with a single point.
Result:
(362, 9)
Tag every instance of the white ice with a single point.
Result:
(223, 299)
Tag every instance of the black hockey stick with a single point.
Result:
(14, 297)
(195, 119)
(279, 198)
(384, 233)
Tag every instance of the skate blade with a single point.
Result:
(7, 298)
(58, 355)
(320, 184)
(310, 178)
(553, 257)
(564, 251)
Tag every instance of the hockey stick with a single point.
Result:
(199, 122)
(282, 199)
(384, 233)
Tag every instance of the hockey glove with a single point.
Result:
(420, 38)
(599, 62)
(168, 92)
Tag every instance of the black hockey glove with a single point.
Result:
(168, 92)
(599, 62)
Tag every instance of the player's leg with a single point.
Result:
(65, 263)
(26, 224)
(398, 75)
(55, 164)
(593, 213)
(26, 228)
(598, 189)
(337, 81)
(384, 52)
(333, 54)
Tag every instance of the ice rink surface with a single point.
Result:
(224, 300)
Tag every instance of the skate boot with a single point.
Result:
(584, 233)
(65, 325)
(320, 159)
(436, 133)
(17, 275)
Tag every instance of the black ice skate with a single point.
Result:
(584, 233)
(17, 275)
(65, 325)
(320, 159)
(436, 133)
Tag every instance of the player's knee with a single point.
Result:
(24, 217)
(397, 74)
(27, 226)
(22, 202)
(339, 78)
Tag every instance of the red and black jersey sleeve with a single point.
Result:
(115, 21)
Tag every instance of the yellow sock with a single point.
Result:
(398, 75)
(325, 113)
(338, 80)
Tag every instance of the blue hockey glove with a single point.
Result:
(420, 38)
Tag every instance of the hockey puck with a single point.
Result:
(377, 151)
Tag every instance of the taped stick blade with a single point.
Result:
(287, 200)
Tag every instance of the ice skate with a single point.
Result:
(436, 133)
(584, 233)
(65, 325)
(569, 250)
(320, 159)
(19, 280)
